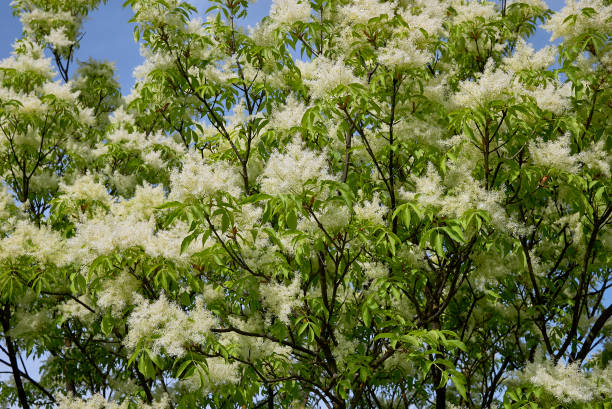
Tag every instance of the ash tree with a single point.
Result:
(352, 204)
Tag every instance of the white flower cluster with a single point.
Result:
(460, 192)
(402, 53)
(345, 348)
(168, 327)
(253, 348)
(6, 206)
(289, 114)
(133, 140)
(374, 270)
(30, 323)
(428, 188)
(567, 382)
(425, 15)
(372, 211)
(290, 11)
(219, 373)
(158, 13)
(471, 10)
(288, 172)
(35, 15)
(77, 309)
(130, 223)
(153, 158)
(554, 96)
(525, 58)
(84, 187)
(264, 34)
(595, 157)
(196, 26)
(323, 75)
(58, 39)
(280, 299)
(427, 132)
(492, 265)
(571, 22)
(41, 243)
(361, 11)
(152, 61)
(493, 84)
(555, 153)
(147, 147)
(98, 402)
(60, 91)
(118, 292)
(334, 217)
(198, 179)
(32, 60)
(540, 4)
(105, 234)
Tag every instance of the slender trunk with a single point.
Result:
(70, 388)
(437, 375)
(12, 355)
(270, 398)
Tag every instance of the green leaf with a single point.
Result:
(170, 205)
(107, 324)
(302, 327)
(155, 359)
(291, 220)
(183, 368)
(437, 243)
(454, 233)
(145, 366)
(459, 382)
(187, 241)
(366, 316)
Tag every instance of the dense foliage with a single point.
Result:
(353, 204)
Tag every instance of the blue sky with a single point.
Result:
(108, 35)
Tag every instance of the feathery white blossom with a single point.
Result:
(323, 75)
(566, 382)
(198, 179)
(562, 24)
(58, 39)
(289, 171)
(290, 11)
(85, 187)
(525, 58)
(166, 326)
(361, 11)
(493, 84)
(60, 91)
(595, 157)
(32, 60)
(371, 210)
(219, 373)
(289, 114)
(281, 298)
(553, 97)
(425, 15)
(471, 10)
(97, 401)
(40, 243)
(402, 53)
(554, 153)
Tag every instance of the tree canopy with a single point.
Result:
(353, 204)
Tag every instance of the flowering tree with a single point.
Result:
(355, 204)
